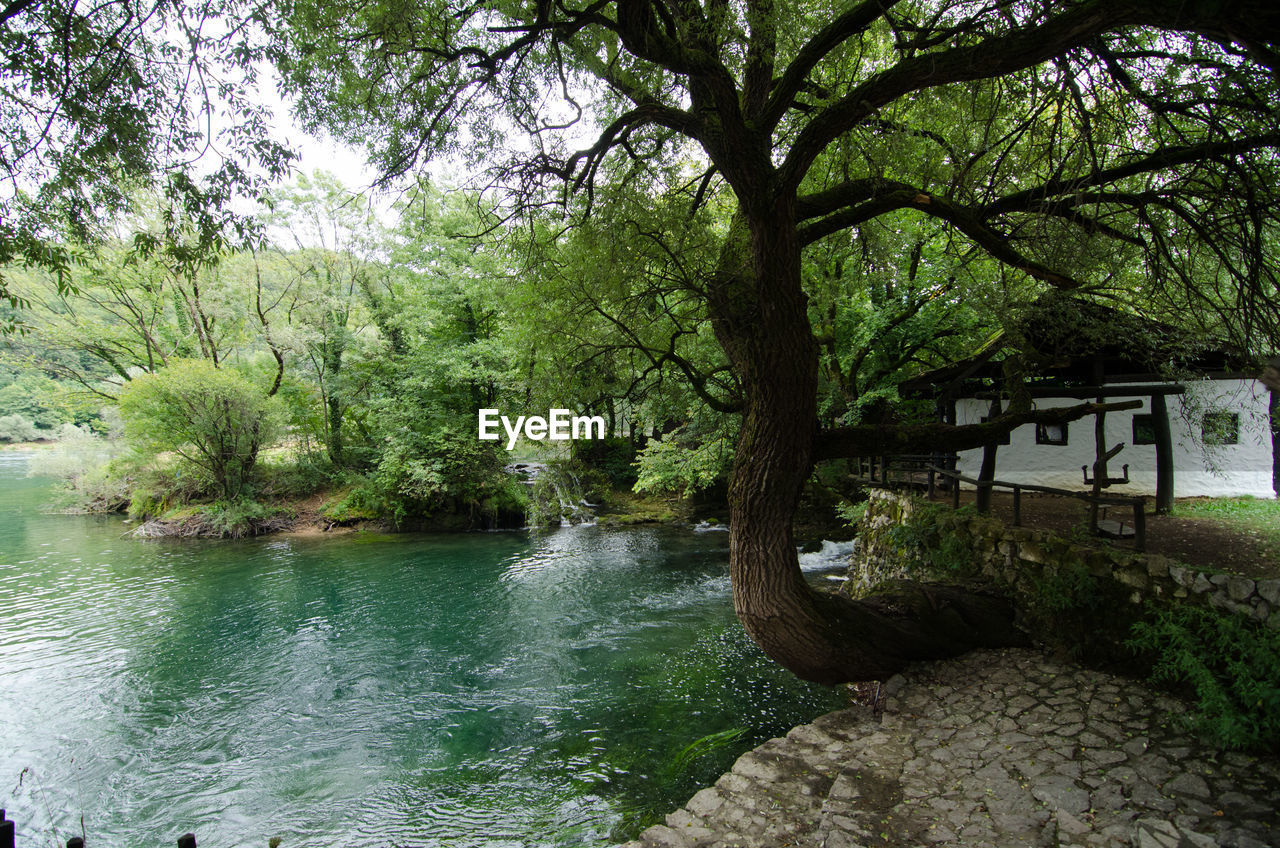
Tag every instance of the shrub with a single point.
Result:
(929, 538)
(613, 456)
(362, 502)
(1229, 663)
(295, 478)
(234, 519)
(15, 428)
(86, 464)
(32, 398)
(683, 462)
(214, 418)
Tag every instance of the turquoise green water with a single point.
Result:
(501, 689)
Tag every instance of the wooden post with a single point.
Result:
(1099, 465)
(6, 831)
(187, 840)
(1017, 506)
(988, 471)
(1139, 525)
(955, 492)
(932, 487)
(1273, 408)
(1164, 455)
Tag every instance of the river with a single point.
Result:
(499, 689)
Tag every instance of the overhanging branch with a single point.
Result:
(902, 196)
(870, 440)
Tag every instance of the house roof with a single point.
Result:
(1064, 341)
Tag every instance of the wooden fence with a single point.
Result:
(1137, 504)
(921, 472)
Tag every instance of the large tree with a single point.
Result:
(1068, 141)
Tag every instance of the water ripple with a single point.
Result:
(477, 690)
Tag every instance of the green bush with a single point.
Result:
(87, 465)
(683, 462)
(145, 503)
(614, 457)
(234, 519)
(508, 506)
(559, 489)
(33, 397)
(929, 538)
(296, 478)
(15, 428)
(213, 418)
(364, 501)
(851, 512)
(1230, 664)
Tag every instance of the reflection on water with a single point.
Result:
(486, 689)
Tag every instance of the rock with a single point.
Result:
(1191, 839)
(661, 836)
(1104, 756)
(1270, 591)
(1071, 825)
(754, 767)
(1240, 588)
(1060, 793)
(1036, 754)
(1153, 833)
(1243, 840)
(1188, 784)
(807, 734)
(1135, 746)
(705, 802)
(1240, 803)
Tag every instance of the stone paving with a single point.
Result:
(997, 748)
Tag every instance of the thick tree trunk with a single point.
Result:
(761, 319)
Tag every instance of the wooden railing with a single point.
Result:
(900, 470)
(1137, 504)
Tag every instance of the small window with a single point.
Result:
(1144, 429)
(1220, 428)
(1051, 434)
(1004, 439)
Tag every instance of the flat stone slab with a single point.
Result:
(994, 749)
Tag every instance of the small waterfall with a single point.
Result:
(556, 494)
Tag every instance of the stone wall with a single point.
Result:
(904, 537)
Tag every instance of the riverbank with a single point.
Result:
(996, 748)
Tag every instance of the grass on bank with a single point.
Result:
(1257, 518)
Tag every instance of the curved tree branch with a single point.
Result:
(870, 440)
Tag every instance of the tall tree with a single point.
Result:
(1051, 136)
(334, 235)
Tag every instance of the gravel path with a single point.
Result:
(999, 749)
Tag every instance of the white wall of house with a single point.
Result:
(1213, 470)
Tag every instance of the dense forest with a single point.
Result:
(356, 349)
(730, 230)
